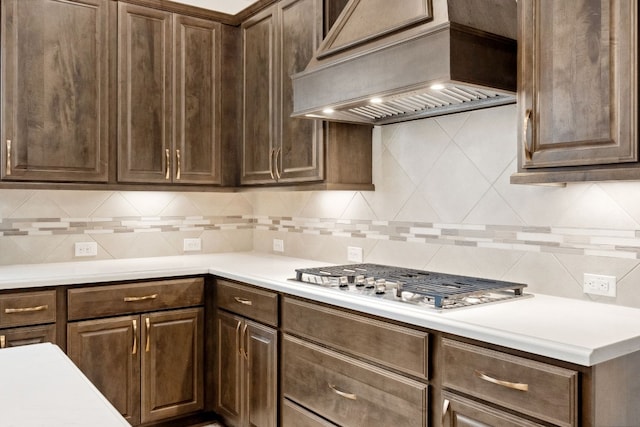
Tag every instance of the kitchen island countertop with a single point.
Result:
(576, 331)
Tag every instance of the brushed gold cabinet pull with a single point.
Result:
(178, 164)
(528, 143)
(8, 157)
(167, 156)
(245, 342)
(134, 350)
(239, 338)
(273, 151)
(342, 393)
(243, 301)
(147, 322)
(3, 341)
(508, 384)
(445, 409)
(26, 309)
(143, 298)
(278, 151)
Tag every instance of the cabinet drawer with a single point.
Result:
(296, 416)
(27, 335)
(110, 300)
(538, 389)
(381, 342)
(249, 302)
(349, 392)
(28, 308)
(459, 411)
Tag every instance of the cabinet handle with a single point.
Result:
(528, 144)
(278, 151)
(445, 409)
(8, 157)
(178, 164)
(243, 301)
(513, 386)
(167, 156)
(134, 350)
(245, 342)
(26, 309)
(147, 323)
(342, 393)
(143, 298)
(239, 338)
(3, 341)
(273, 151)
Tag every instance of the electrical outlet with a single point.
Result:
(278, 245)
(354, 254)
(190, 245)
(597, 284)
(86, 249)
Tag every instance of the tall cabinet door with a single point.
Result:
(577, 95)
(172, 363)
(229, 365)
(261, 381)
(197, 147)
(258, 103)
(300, 155)
(144, 94)
(107, 351)
(55, 81)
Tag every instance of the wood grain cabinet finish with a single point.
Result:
(27, 335)
(577, 94)
(539, 390)
(461, 412)
(395, 347)
(350, 392)
(296, 416)
(247, 301)
(55, 97)
(27, 308)
(247, 364)
(169, 124)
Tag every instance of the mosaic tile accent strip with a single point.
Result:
(562, 240)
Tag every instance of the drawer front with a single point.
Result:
(538, 389)
(296, 416)
(110, 300)
(461, 412)
(27, 335)
(377, 341)
(28, 308)
(349, 392)
(249, 302)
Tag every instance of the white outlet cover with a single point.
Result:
(354, 254)
(83, 249)
(191, 245)
(278, 245)
(597, 284)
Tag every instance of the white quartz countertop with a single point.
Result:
(581, 332)
(40, 386)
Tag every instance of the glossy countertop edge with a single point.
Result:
(514, 324)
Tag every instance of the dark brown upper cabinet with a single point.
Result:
(169, 123)
(577, 91)
(55, 97)
(276, 148)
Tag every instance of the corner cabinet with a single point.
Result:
(55, 90)
(169, 125)
(276, 148)
(577, 91)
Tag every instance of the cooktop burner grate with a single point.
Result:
(440, 287)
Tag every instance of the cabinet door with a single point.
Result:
(144, 94)
(462, 412)
(229, 368)
(577, 82)
(172, 363)
(107, 351)
(27, 335)
(55, 79)
(261, 348)
(258, 103)
(197, 148)
(300, 154)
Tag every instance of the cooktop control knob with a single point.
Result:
(381, 286)
(343, 282)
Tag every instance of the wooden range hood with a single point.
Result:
(391, 61)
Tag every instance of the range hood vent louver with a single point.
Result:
(381, 62)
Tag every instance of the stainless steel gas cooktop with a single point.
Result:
(427, 288)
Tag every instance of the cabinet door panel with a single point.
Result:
(144, 76)
(172, 363)
(229, 368)
(107, 351)
(27, 335)
(258, 139)
(262, 373)
(301, 154)
(55, 90)
(197, 103)
(577, 95)
(461, 412)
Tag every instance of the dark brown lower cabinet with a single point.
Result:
(461, 412)
(247, 372)
(27, 335)
(148, 366)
